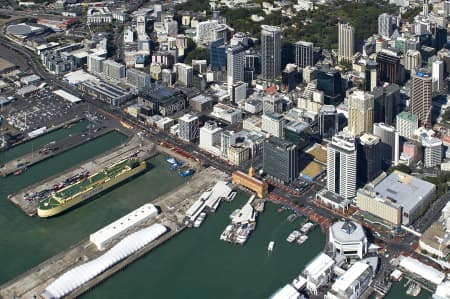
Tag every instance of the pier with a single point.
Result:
(50, 150)
(173, 208)
(137, 146)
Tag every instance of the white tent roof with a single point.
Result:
(78, 276)
(426, 272)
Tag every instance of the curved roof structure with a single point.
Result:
(78, 276)
(24, 29)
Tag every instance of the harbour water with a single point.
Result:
(39, 142)
(27, 241)
(399, 291)
(196, 264)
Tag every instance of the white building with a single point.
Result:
(185, 74)
(188, 130)
(273, 123)
(95, 63)
(341, 166)
(210, 30)
(347, 238)
(413, 59)
(113, 70)
(353, 283)
(210, 135)
(406, 124)
(114, 231)
(432, 153)
(128, 35)
(437, 75)
(385, 25)
(227, 113)
(318, 272)
(235, 64)
(99, 15)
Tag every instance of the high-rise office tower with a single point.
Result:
(390, 69)
(360, 112)
(385, 26)
(218, 55)
(330, 82)
(413, 60)
(420, 97)
(370, 75)
(341, 166)
(387, 103)
(235, 64)
(369, 159)
(328, 121)
(304, 54)
(280, 159)
(437, 75)
(390, 150)
(346, 42)
(270, 52)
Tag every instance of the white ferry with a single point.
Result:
(293, 236)
(306, 227)
(302, 239)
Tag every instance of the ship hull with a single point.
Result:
(45, 213)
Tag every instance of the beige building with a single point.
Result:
(237, 155)
(383, 208)
(360, 112)
(346, 42)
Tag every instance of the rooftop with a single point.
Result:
(348, 231)
(406, 190)
(350, 276)
(407, 116)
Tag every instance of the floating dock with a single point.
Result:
(136, 147)
(173, 208)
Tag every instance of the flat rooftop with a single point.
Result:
(406, 190)
(318, 152)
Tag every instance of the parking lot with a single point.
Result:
(42, 109)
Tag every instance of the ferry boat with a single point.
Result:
(199, 219)
(226, 232)
(293, 236)
(413, 289)
(306, 227)
(271, 245)
(292, 217)
(302, 239)
(77, 192)
(242, 234)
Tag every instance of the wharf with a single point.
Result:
(135, 147)
(173, 207)
(49, 130)
(50, 150)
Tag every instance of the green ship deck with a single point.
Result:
(60, 197)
